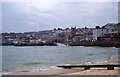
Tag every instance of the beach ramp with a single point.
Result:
(60, 44)
(87, 67)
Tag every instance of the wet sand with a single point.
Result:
(95, 71)
(47, 72)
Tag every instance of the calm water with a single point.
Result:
(46, 56)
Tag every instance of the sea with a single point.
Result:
(15, 57)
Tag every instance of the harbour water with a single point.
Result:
(46, 56)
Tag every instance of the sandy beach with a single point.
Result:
(94, 71)
(61, 71)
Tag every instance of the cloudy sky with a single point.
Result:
(37, 16)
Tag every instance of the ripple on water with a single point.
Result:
(33, 63)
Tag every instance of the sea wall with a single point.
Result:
(35, 44)
(97, 43)
(85, 43)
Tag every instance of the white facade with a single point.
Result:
(98, 32)
(59, 31)
(32, 41)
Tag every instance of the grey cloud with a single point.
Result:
(20, 17)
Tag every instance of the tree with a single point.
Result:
(97, 27)
(54, 28)
(86, 28)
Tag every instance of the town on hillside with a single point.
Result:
(107, 35)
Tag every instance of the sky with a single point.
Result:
(46, 15)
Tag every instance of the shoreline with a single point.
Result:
(53, 70)
(66, 45)
(95, 71)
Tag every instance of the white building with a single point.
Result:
(98, 32)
